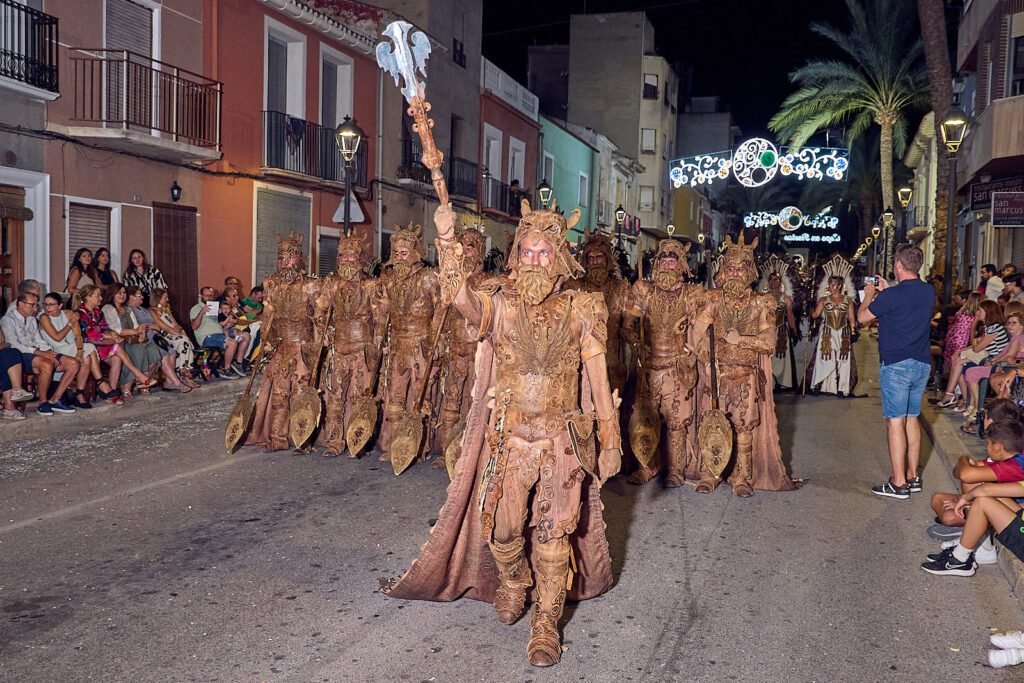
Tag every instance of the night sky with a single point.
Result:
(741, 50)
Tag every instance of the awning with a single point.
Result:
(355, 212)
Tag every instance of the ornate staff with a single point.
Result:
(409, 56)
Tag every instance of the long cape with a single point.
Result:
(456, 560)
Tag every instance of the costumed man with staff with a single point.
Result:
(661, 311)
(410, 298)
(775, 281)
(289, 313)
(744, 341)
(832, 367)
(459, 344)
(355, 337)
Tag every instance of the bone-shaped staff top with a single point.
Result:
(405, 59)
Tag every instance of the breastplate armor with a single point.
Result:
(352, 314)
(411, 308)
(836, 315)
(665, 336)
(743, 319)
(292, 320)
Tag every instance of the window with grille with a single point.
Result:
(648, 140)
(278, 213)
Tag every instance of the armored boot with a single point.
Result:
(391, 416)
(444, 435)
(545, 648)
(642, 475)
(278, 440)
(740, 479)
(510, 598)
(676, 459)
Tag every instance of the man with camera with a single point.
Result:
(904, 312)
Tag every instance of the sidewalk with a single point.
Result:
(943, 428)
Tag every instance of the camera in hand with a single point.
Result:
(871, 280)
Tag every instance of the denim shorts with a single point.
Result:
(903, 386)
(215, 341)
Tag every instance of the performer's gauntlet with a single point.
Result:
(608, 433)
(451, 277)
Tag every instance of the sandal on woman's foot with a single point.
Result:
(969, 428)
(147, 383)
(126, 393)
(947, 402)
(144, 391)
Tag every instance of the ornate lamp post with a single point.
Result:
(954, 129)
(620, 218)
(348, 136)
(544, 192)
(888, 221)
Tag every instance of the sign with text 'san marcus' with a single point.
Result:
(981, 193)
(1008, 209)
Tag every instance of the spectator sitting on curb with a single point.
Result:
(108, 343)
(11, 388)
(904, 313)
(144, 354)
(21, 329)
(168, 356)
(984, 507)
(991, 284)
(210, 334)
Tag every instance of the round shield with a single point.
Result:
(715, 439)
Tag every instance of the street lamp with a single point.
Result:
(175, 191)
(876, 231)
(905, 193)
(620, 218)
(888, 224)
(544, 192)
(348, 136)
(954, 129)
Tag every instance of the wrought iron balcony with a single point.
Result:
(144, 101)
(462, 175)
(410, 166)
(28, 47)
(496, 196)
(297, 146)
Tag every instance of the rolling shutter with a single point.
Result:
(176, 254)
(89, 227)
(326, 254)
(278, 213)
(129, 98)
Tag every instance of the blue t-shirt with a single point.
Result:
(904, 313)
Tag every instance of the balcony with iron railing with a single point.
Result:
(28, 51)
(462, 175)
(296, 146)
(133, 102)
(410, 167)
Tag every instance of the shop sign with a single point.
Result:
(981, 193)
(1008, 209)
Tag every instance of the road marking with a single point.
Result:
(128, 492)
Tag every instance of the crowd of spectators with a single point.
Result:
(112, 338)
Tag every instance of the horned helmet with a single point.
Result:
(738, 262)
(678, 249)
(550, 225)
(291, 246)
(412, 237)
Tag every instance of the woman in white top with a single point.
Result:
(60, 328)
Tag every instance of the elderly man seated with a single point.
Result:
(21, 329)
(11, 389)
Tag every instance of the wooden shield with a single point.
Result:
(305, 415)
(361, 424)
(645, 433)
(406, 439)
(238, 422)
(714, 436)
(453, 449)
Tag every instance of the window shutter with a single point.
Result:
(326, 254)
(129, 27)
(89, 227)
(175, 254)
(278, 213)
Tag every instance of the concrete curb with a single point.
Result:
(945, 436)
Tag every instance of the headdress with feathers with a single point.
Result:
(837, 266)
(773, 265)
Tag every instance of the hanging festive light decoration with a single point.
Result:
(791, 218)
(756, 161)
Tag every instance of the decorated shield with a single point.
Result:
(645, 433)
(238, 422)
(361, 424)
(406, 438)
(714, 437)
(453, 449)
(305, 415)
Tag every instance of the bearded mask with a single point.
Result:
(350, 246)
(348, 270)
(472, 237)
(667, 278)
(738, 270)
(599, 245)
(534, 284)
(290, 246)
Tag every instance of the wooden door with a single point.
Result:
(176, 254)
(12, 259)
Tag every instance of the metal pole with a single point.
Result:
(348, 197)
(947, 276)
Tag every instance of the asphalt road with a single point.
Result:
(133, 549)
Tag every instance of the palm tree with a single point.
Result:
(932, 14)
(881, 78)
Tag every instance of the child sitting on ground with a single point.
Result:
(987, 505)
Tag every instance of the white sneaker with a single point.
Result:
(19, 395)
(982, 555)
(997, 659)
(1010, 640)
(13, 415)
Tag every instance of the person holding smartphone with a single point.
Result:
(904, 314)
(209, 332)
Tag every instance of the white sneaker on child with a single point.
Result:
(997, 659)
(1008, 641)
(982, 555)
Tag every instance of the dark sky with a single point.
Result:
(741, 50)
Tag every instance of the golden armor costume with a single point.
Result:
(459, 344)
(775, 281)
(289, 309)
(410, 299)
(665, 307)
(602, 276)
(832, 367)
(744, 323)
(354, 338)
(524, 509)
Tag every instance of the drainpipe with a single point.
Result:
(380, 158)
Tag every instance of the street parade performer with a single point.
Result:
(602, 276)
(410, 298)
(665, 307)
(355, 337)
(775, 281)
(744, 330)
(832, 367)
(289, 309)
(524, 508)
(458, 373)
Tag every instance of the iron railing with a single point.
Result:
(462, 175)
(411, 167)
(496, 195)
(920, 216)
(300, 146)
(123, 89)
(28, 46)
